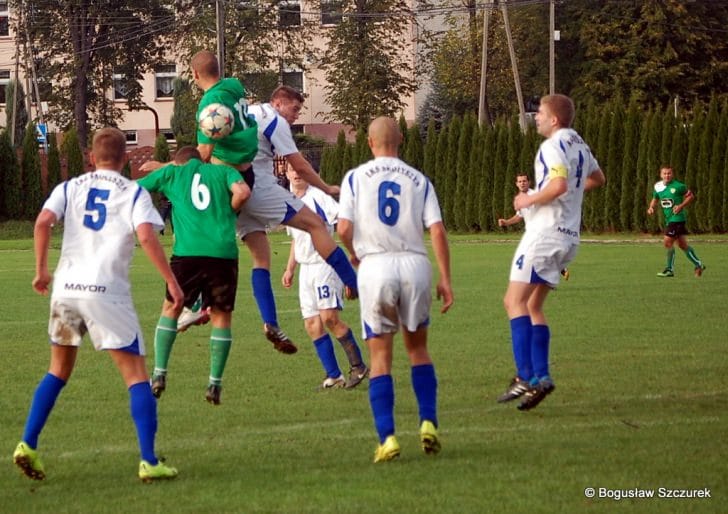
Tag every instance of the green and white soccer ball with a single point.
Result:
(216, 121)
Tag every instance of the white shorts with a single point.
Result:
(541, 259)
(267, 208)
(319, 288)
(110, 325)
(394, 290)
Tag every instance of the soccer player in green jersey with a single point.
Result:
(204, 259)
(673, 197)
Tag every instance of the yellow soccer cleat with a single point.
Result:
(159, 471)
(388, 450)
(26, 458)
(428, 438)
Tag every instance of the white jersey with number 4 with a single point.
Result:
(390, 204)
(101, 211)
(566, 155)
(274, 138)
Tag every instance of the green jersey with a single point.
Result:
(671, 194)
(203, 219)
(241, 145)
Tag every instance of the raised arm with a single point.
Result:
(307, 173)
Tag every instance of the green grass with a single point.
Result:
(638, 361)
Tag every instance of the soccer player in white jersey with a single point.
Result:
(271, 205)
(321, 291)
(91, 294)
(385, 206)
(564, 169)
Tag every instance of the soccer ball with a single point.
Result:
(216, 121)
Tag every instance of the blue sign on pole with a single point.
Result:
(41, 130)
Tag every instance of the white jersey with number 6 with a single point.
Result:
(390, 204)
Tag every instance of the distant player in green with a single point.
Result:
(204, 259)
(673, 197)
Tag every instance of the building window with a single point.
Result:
(4, 18)
(4, 81)
(293, 79)
(119, 87)
(164, 76)
(289, 14)
(131, 137)
(331, 12)
(168, 135)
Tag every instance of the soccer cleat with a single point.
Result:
(536, 394)
(388, 450)
(190, 317)
(428, 438)
(26, 458)
(356, 375)
(212, 394)
(158, 471)
(333, 383)
(565, 273)
(667, 272)
(699, 270)
(515, 389)
(280, 340)
(159, 384)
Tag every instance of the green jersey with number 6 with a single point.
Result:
(203, 219)
(670, 195)
(241, 145)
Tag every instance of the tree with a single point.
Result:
(21, 117)
(74, 57)
(53, 163)
(161, 149)
(184, 121)
(11, 200)
(71, 150)
(414, 150)
(32, 189)
(367, 72)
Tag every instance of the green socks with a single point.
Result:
(670, 258)
(220, 341)
(690, 253)
(164, 336)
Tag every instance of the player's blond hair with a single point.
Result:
(205, 64)
(562, 107)
(109, 147)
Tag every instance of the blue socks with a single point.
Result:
(424, 383)
(540, 339)
(325, 351)
(143, 407)
(381, 399)
(342, 266)
(263, 292)
(43, 400)
(521, 337)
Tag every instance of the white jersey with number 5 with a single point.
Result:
(390, 204)
(101, 211)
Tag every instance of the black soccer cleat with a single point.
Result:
(281, 342)
(516, 389)
(159, 384)
(212, 394)
(536, 394)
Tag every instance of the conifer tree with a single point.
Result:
(414, 150)
(515, 142)
(183, 121)
(54, 163)
(615, 153)
(716, 175)
(450, 171)
(500, 165)
(654, 141)
(161, 149)
(32, 189)
(439, 172)
(430, 151)
(701, 186)
(485, 194)
(11, 199)
(643, 184)
(475, 177)
(462, 168)
(71, 150)
(629, 167)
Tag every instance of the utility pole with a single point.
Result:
(514, 65)
(220, 26)
(483, 111)
(15, 87)
(552, 47)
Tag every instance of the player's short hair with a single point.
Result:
(109, 147)
(522, 174)
(666, 166)
(205, 63)
(286, 93)
(562, 107)
(186, 153)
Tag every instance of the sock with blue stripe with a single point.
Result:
(521, 342)
(40, 408)
(263, 292)
(143, 407)
(342, 266)
(424, 382)
(325, 351)
(381, 399)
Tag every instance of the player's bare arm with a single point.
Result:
(41, 237)
(688, 199)
(150, 244)
(307, 173)
(205, 151)
(441, 249)
(345, 229)
(150, 166)
(595, 180)
(556, 187)
(241, 193)
(290, 271)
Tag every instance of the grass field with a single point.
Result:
(639, 364)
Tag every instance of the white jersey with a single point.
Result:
(101, 211)
(327, 208)
(390, 204)
(564, 154)
(274, 138)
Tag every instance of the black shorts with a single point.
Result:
(214, 278)
(676, 229)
